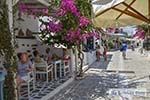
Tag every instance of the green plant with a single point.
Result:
(7, 49)
(146, 28)
(110, 45)
(73, 27)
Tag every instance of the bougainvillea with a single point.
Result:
(68, 5)
(139, 33)
(75, 27)
(74, 13)
(54, 26)
(83, 21)
(69, 24)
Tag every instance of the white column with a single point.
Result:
(76, 60)
(10, 20)
(10, 15)
(73, 62)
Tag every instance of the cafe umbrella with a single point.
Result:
(110, 13)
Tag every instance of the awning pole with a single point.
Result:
(148, 17)
(149, 9)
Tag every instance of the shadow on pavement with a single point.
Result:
(93, 87)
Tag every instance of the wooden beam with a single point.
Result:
(129, 13)
(100, 13)
(134, 10)
(125, 9)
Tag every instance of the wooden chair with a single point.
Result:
(43, 70)
(29, 82)
(66, 67)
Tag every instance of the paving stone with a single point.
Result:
(104, 76)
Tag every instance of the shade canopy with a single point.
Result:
(114, 13)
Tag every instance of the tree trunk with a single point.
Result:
(81, 58)
(72, 63)
(7, 48)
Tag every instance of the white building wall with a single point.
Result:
(25, 45)
(29, 22)
(29, 45)
(91, 58)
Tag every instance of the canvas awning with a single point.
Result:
(113, 13)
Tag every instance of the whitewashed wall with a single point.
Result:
(29, 22)
(72, 62)
(26, 44)
(29, 45)
(85, 61)
(91, 58)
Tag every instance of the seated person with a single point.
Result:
(48, 57)
(24, 66)
(66, 56)
(55, 57)
(39, 62)
(37, 58)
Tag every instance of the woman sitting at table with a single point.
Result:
(23, 68)
(66, 56)
(37, 58)
(48, 57)
(39, 62)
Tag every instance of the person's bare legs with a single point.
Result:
(124, 54)
(97, 57)
(105, 58)
(19, 81)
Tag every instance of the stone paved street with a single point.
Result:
(104, 76)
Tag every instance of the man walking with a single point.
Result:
(124, 49)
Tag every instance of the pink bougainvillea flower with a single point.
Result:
(83, 21)
(54, 26)
(74, 36)
(21, 7)
(139, 33)
(67, 5)
(85, 36)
